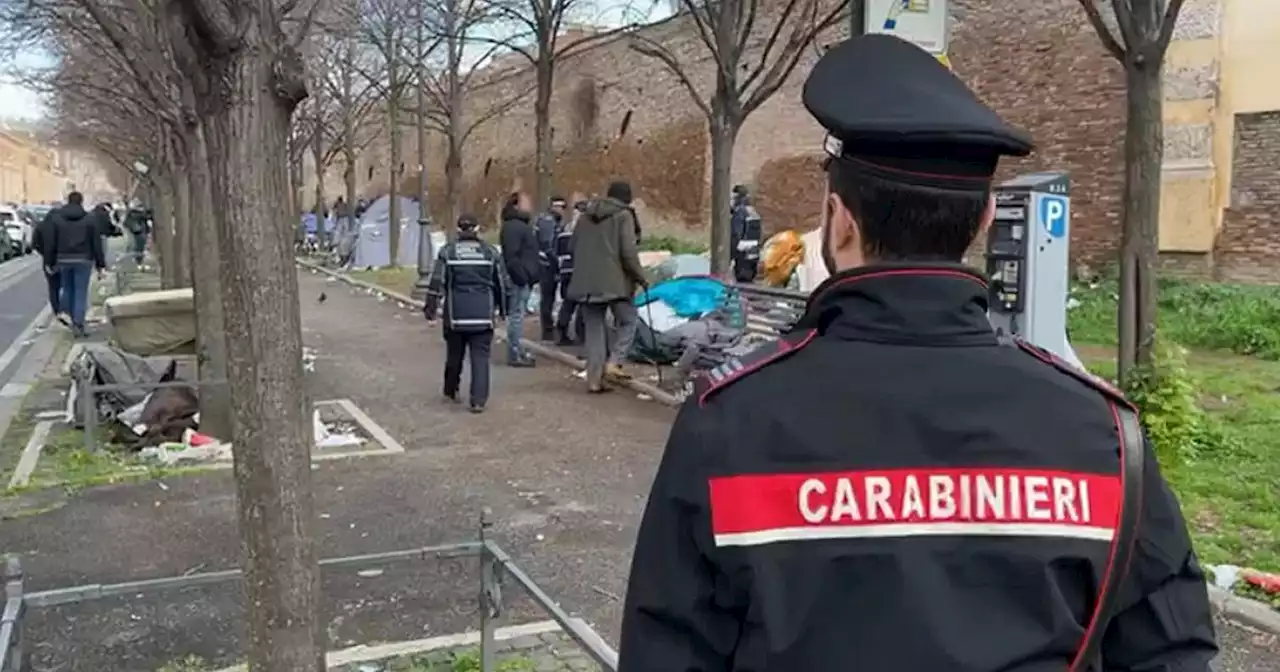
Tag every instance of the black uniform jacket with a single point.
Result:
(891, 489)
(469, 276)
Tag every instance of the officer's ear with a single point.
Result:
(988, 216)
(843, 232)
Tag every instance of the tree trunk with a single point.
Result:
(1140, 235)
(162, 229)
(453, 187)
(349, 125)
(724, 135)
(420, 70)
(317, 158)
(247, 133)
(544, 148)
(211, 344)
(393, 177)
(181, 227)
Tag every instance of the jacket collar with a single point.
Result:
(910, 304)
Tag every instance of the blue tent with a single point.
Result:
(373, 245)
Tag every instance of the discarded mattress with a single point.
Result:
(153, 323)
(687, 312)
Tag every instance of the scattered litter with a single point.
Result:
(610, 595)
(334, 434)
(329, 280)
(1224, 576)
(643, 397)
(325, 516)
(308, 359)
(172, 452)
(162, 486)
(580, 375)
(369, 573)
(539, 537)
(369, 667)
(196, 439)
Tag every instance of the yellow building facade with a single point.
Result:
(1220, 86)
(29, 172)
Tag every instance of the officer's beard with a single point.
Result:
(828, 259)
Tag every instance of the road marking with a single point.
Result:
(30, 455)
(15, 390)
(11, 353)
(16, 275)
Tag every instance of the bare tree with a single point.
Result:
(755, 46)
(354, 99)
(1137, 33)
(536, 30)
(454, 78)
(387, 31)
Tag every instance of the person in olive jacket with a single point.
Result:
(520, 255)
(606, 273)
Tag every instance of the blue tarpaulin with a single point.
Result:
(690, 296)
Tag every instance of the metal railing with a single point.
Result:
(769, 310)
(495, 565)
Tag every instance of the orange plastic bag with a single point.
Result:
(782, 253)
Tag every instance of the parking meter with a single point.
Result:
(1028, 262)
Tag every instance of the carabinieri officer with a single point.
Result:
(889, 488)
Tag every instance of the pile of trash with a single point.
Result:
(161, 423)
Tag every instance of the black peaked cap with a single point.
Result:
(895, 112)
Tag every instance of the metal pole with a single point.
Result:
(489, 596)
(857, 17)
(426, 255)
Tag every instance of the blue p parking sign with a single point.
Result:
(1052, 213)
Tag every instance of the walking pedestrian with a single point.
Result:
(468, 276)
(42, 238)
(569, 326)
(606, 273)
(547, 229)
(890, 487)
(76, 252)
(520, 254)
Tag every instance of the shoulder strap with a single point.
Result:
(737, 368)
(1132, 469)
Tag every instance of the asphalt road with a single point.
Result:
(22, 297)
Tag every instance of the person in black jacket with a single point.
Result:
(76, 251)
(547, 228)
(468, 276)
(42, 238)
(520, 254)
(817, 509)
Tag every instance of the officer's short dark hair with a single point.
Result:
(75, 198)
(620, 191)
(901, 222)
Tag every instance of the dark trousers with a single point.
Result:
(54, 282)
(569, 312)
(547, 300)
(457, 345)
(75, 290)
(139, 247)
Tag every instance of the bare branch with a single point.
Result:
(1109, 41)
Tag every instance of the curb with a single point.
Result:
(1250, 612)
(1244, 610)
(639, 387)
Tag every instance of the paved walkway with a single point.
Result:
(564, 473)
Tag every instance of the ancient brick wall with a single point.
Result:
(1248, 248)
(617, 113)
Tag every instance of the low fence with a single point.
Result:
(495, 566)
(769, 310)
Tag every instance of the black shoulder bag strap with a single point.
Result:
(1132, 458)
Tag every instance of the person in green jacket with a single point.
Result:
(606, 273)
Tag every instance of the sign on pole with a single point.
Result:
(922, 22)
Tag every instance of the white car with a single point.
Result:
(18, 229)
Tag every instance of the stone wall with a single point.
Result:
(1249, 245)
(617, 113)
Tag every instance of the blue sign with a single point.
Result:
(1052, 212)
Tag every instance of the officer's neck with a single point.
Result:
(923, 303)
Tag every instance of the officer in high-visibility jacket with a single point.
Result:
(890, 487)
(470, 278)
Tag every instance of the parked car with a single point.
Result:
(18, 230)
(6, 245)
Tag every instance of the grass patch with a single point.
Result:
(1228, 493)
(456, 660)
(186, 664)
(671, 244)
(66, 463)
(399, 279)
(1243, 319)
